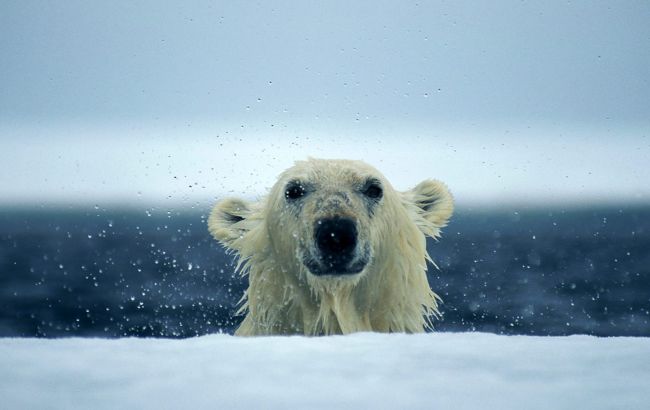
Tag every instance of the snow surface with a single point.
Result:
(439, 370)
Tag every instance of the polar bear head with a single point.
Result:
(334, 240)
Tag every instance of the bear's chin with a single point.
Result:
(323, 270)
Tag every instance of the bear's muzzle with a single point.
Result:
(336, 242)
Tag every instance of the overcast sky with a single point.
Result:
(142, 102)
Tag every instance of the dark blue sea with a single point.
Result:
(158, 273)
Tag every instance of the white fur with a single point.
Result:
(270, 237)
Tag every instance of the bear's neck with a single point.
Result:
(394, 292)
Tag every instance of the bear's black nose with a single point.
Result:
(336, 239)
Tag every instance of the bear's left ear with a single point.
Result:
(433, 204)
(230, 220)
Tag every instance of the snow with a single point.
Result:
(438, 370)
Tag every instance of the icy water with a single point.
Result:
(114, 273)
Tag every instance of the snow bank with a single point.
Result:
(443, 370)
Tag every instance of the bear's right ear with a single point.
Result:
(433, 206)
(230, 220)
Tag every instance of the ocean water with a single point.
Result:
(126, 272)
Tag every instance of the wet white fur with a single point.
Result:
(271, 236)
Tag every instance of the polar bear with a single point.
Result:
(334, 249)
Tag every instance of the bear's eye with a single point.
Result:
(373, 190)
(294, 191)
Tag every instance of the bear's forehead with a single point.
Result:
(334, 171)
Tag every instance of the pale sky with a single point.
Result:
(139, 103)
(171, 166)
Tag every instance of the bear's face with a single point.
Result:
(326, 213)
(330, 219)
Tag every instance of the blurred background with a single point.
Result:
(122, 123)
